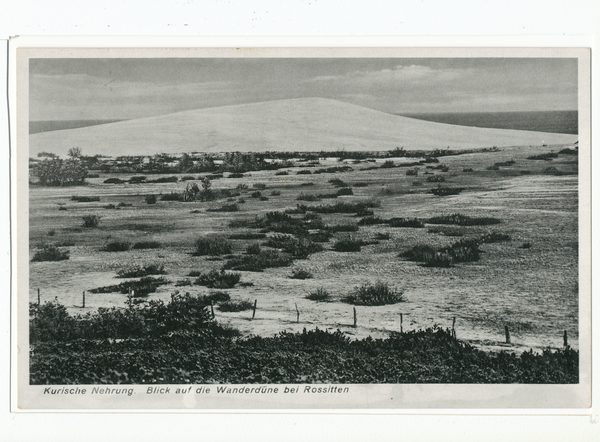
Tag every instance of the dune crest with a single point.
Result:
(305, 124)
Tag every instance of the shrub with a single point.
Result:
(173, 196)
(138, 270)
(405, 222)
(241, 201)
(253, 249)
(259, 186)
(168, 179)
(463, 220)
(218, 280)
(435, 179)
(388, 164)
(493, 167)
(51, 232)
(225, 208)
(247, 235)
(62, 208)
(257, 263)
(447, 231)
(543, 156)
(141, 288)
(307, 197)
(552, 171)
(343, 228)
(344, 207)
(565, 151)
(493, 237)
(150, 199)
(505, 163)
(275, 193)
(319, 295)
(264, 198)
(465, 250)
(446, 191)
(123, 204)
(361, 184)
(116, 246)
(297, 247)
(412, 172)
(235, 306)
(281, 173)
(348, 245)
(371, 220)
(242, 186)
(525, 245)
(91, 221)
(217, 296)
(300, 274)
(467, 169)
(147, 245)
(236, 175)
(303, 172)
(212, 245)
(84, 199)
(344, 191)
(378, 294)
(183, 283)
(256, 194)
(382, 236)
(137, 179)
(114, 181)
(49, 252)
(110, 206)
(338, 183)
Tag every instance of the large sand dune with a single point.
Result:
(308, 124)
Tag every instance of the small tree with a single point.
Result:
(206, 194)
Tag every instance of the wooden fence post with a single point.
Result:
(354, 309)
(297, 313)
(38, 296)
(565, 339)
(507, 334)
(401, 331)
(453, 324)
(254, 309)
(83, 303)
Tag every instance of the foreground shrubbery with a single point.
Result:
(179, 343)
(378, 294)
(49, 252)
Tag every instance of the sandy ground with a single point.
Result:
(534, 291)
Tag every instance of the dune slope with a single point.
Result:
(307, 124)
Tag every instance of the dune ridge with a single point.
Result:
(304, 124)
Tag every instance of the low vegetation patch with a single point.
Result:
(300, 274)
(138, 270)
(544, 156)
(49, 252)
(247, 235)
(116, 246)
(150, 199)
(405, 222)
(85, 199)
(299, 248)
(348, 245)
(463, 220)
(465, 250)
(319, 295)
(140, 288)
(218, 279)
(446, 191)
(257, 263)
(212, 245)
(147, 245)
(235, 306)
(379, 293)
(91, 221)
(173, 196)
(225, 208)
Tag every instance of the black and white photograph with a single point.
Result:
(303, 228)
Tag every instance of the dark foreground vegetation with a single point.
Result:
(180, 342)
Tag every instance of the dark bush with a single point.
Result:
(405, 222)
(382, 236)
(446, 191)
(114, 181)
(388, 164)
(236, 175)
(281, 173)
(168, 179)
(338, 183)
(307, 197)
(303, 172)
(343, 228)
(116, 246)
(371, 295)
(259, 186)
(525, 245)
(344, 191)
(173, 196)
(257, 263)
(85, 199)
(320, 236)
(49, 252)
(218, 280)
(150, 199)
(493, 237)
(348, 245)
(371, 220)
(147, 245)
(141, 288)
(543, 156)
(187, 178)
(465, 250)
(225, 208)
(138, 270)
(110, 206)
(300, 274)
(91, 221)
(297, 247)
(435, 179)
(463, 220)
(275, 193)
(253, 249)
(235, 306)
(565, 151)
(264, 198)
(137, 179)
(256, 194)
(344, 207)
(123, 204)
(212, 245)
(216, 296)
(467, 169)
(319, 295)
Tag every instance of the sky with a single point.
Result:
(82, 89)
